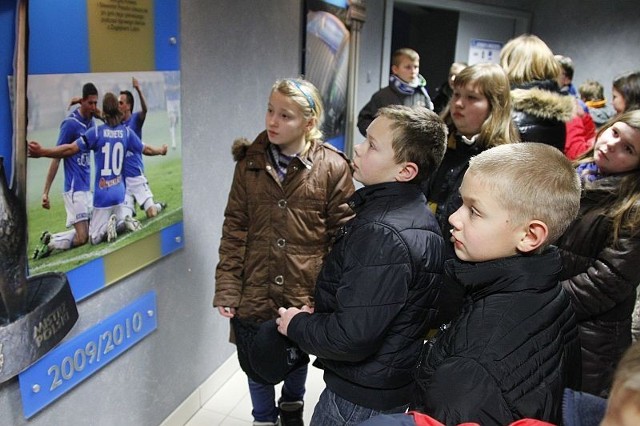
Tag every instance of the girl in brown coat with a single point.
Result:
(287, 200)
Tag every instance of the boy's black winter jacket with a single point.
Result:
(376, 297)
(512, 350)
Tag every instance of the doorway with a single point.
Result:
(442, 32)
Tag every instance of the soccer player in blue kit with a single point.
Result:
(137, 186)
(77, 176)
(110, 143)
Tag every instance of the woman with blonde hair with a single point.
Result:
(540, 110)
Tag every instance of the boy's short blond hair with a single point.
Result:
(405, 52)
(419, 136)
(532, 181)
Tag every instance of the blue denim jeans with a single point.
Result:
(263, 397)
(331, 410)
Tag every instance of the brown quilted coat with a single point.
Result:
(275, 236)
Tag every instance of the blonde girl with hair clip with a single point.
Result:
(287, 200)
(600, 249)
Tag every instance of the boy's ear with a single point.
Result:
(536, 235)
(407, 173)
(394, 69)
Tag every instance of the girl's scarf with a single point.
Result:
(589, 172)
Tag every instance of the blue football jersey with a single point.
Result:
(109, 146)
(133, 165)
(77, 168)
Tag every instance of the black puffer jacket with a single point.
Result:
(540, 112)
(376, 297)
(601, 279)
(512, 350)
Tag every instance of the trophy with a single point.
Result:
(35, 312)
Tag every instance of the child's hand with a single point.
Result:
(226, 311)
(287, 314)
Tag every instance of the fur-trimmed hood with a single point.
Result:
(239, 148)
(545, 104)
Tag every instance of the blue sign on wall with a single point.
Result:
(69, 364)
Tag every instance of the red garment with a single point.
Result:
(581, 134)
(424, 420)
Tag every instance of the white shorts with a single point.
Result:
(100, 219)
(138, 189)
(78, 205)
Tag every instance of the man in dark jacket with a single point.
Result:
(376, 293)
(514, 347)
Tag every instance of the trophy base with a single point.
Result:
(51, 313)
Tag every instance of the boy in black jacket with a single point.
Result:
(376, 293)
(514, 347)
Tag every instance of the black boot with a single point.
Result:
(291, 413)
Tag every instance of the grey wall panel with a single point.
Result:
(601, 37)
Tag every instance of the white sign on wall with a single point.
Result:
(484, 51)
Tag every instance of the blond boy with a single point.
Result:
(514, 347)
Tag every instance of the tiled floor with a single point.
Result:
(231, 405)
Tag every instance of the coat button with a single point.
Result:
(281, 242)
(282, 204)
(269, 168)
(279, 280)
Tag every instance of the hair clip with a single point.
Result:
(312, 104)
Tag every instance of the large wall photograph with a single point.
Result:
(118, 46)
